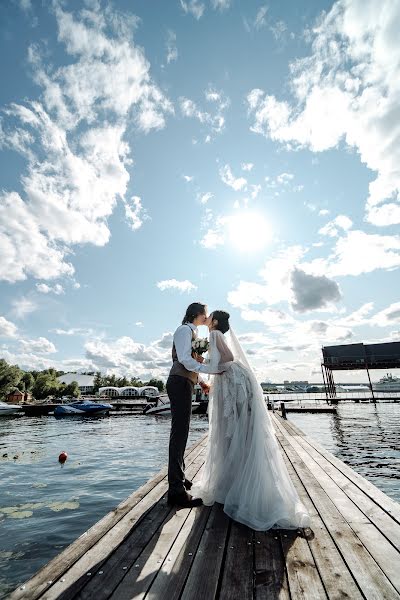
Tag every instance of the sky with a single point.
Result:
(241, 154)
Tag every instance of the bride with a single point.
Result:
(244, 469)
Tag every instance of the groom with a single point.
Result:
(180, 385)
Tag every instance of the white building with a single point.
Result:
(85, 382)
(147, 391)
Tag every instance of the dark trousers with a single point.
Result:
(179, 391)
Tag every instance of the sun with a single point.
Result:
(248, 231)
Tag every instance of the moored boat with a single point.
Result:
(9, 409)
(163, 407)
(83, 408)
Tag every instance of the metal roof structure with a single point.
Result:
(351, 357)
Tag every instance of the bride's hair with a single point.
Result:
(223, 320)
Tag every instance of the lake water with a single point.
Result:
(44, 507)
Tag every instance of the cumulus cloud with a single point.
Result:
(41, 345)
(389, 316)
(7, 328)
(56, 289)
(313, 292)
(72, 139)
(332, 228)
(174, 284)
(347, 90)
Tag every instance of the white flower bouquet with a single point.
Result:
(200, 345)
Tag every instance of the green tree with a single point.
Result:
(156, 383)
(10, 377)
(46, 384)
(72, 389)
(97, 382)
(28, 380)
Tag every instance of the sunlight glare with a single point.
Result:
(248, 231)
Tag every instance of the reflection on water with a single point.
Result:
(45, 506)
(364, 436)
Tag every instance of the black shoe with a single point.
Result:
(187, 484)
(184, 500)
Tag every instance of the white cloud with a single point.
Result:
(221, 4)
(227, 177)
(213, 119)
(41, 345)
(358, 252)
(174, 284)
(7, 329)
(47, 289)
(331, 228)
(260, 20)
(172, 50)
(323, 212)
(187, 178)
(73, 141)
(73, 331)
(135, 213)
(23, 306)
(389, 316)
(204, 198)
(346, 89)
(193, 7)
(139, 324)
(247, 166)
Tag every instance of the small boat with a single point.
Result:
(9, 409)
(82, 407)
(163, 407)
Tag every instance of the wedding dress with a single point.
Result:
(244, 468)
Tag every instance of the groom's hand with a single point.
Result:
(204, 386)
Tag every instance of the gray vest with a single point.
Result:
(178, 368)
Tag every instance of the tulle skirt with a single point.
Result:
(244, 468)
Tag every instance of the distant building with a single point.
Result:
(85, 382)
(17, 397)
(111, 391)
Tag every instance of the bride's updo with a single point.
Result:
(223, 320)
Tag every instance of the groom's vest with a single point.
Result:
(178, 368)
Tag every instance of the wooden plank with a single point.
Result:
(382, 520)
(204, 575)
(237, 574)
(96, 557)
(303, 577)
(174, 570)
(336, 577)
(369, 577)
(54, 569)
(140, 576)
(270, 571)
(382, 550)
(385, 502)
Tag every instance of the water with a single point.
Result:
(44, 507)
(364, 436)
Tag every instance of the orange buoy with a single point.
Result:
(63, 457)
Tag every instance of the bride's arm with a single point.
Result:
(223, 348)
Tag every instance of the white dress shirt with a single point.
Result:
(183, 347)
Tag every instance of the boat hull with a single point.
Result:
(165, 409)
(82, 409)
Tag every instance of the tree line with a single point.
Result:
(42, 384)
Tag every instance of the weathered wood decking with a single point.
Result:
(144, 549)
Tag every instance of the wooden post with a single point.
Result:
(283, 410)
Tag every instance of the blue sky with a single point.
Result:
(156, 153)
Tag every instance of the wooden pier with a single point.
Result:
(145, 549)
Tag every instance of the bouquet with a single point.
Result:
(200, 345)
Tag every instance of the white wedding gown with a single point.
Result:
(244, 469)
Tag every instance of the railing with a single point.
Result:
(320, 396)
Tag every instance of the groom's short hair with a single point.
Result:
(194, 310)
